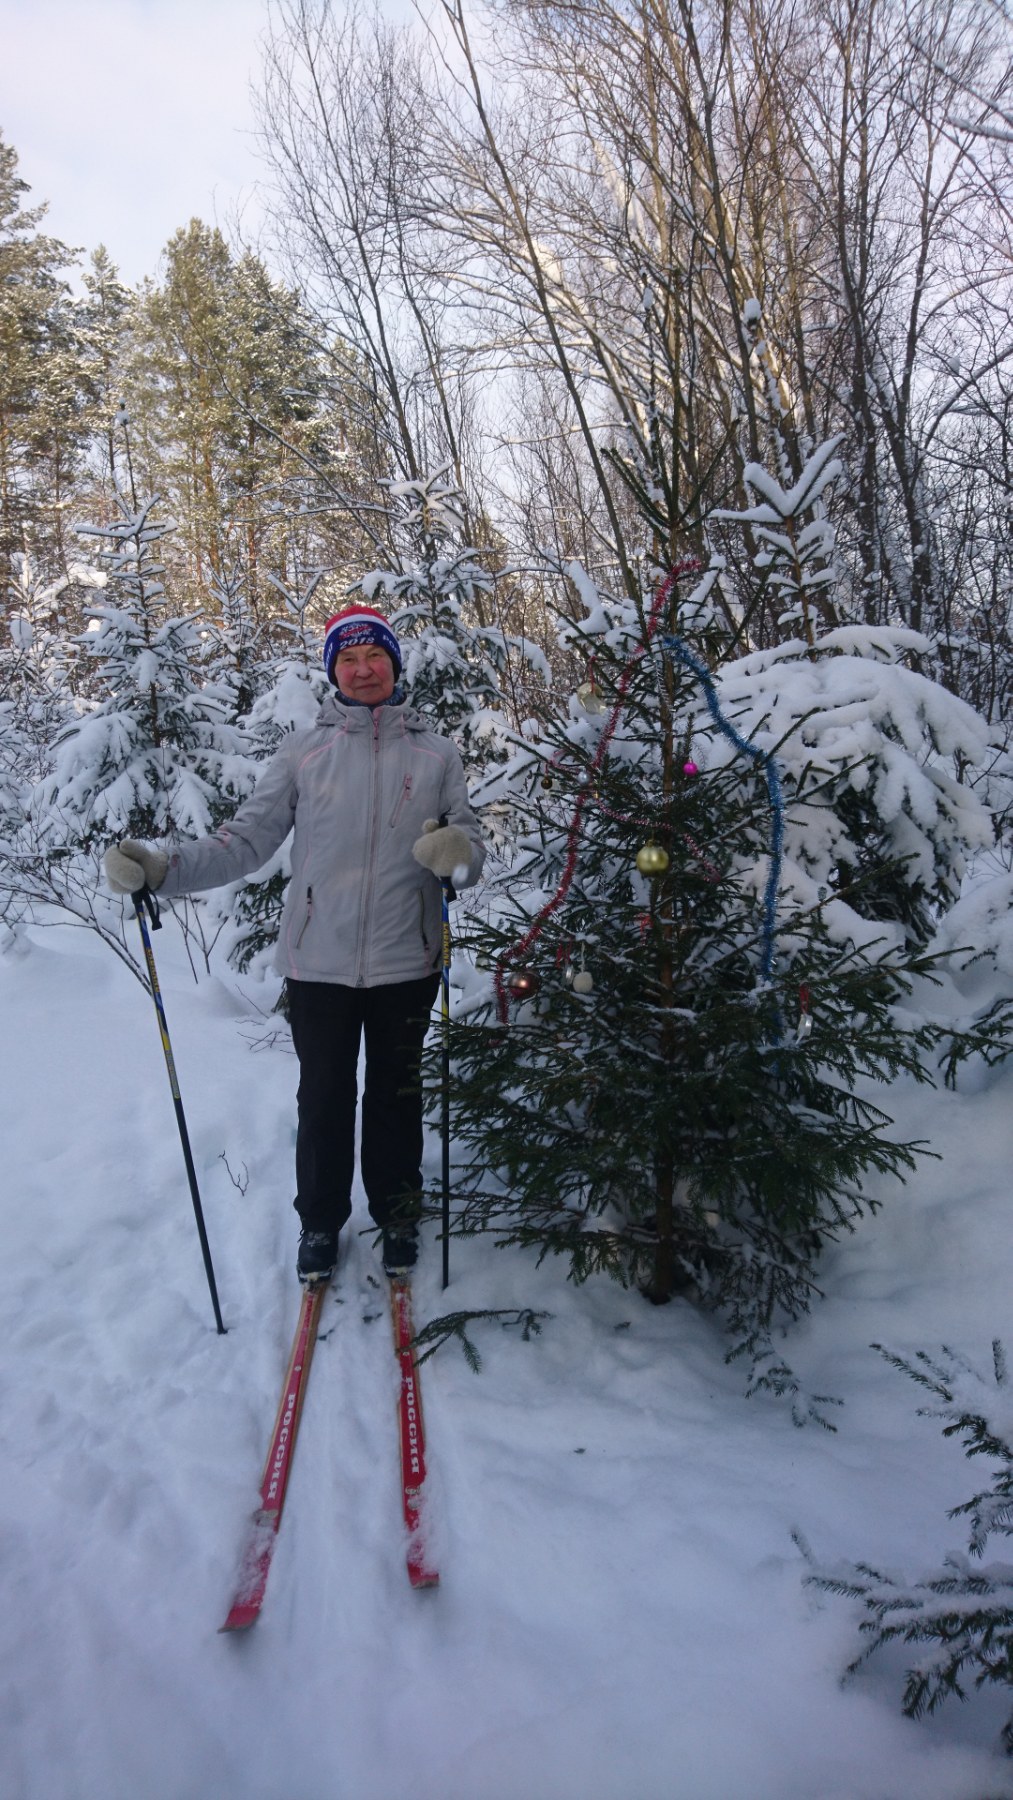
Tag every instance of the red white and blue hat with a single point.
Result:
(359, 625)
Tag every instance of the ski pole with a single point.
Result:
(445, 1096)
(145, 899)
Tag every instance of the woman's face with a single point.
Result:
(364, 672)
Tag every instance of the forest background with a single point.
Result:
(453, 278)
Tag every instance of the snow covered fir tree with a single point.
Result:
(438, 595)
(154, 753)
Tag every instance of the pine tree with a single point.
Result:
(436, 593)
(690, 966)
(38, 681)
(232, 421)
(105, 322)
(236, 651)
(47, 868)
(43, 389)
(34, 705)
(152, 755)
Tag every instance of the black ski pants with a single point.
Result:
(328, 1022)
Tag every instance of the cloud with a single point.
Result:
(132, 116)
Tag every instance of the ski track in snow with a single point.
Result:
(621, 1614)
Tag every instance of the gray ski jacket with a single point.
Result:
(356, 788)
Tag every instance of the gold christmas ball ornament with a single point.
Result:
(652, 859)
(589, 698)
(523, 983)
(583, 982)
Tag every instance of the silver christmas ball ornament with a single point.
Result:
(589, 698)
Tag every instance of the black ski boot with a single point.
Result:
(400, 1250)
(318, 1253)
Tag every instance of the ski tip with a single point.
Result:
(423, 1578)
(240, 1619)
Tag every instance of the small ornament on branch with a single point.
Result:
(575, 974)
(590, 699)
(588, 695)
(652, 860)
(523, 983)
(805, 1020)
(562, 772)
(580, 979)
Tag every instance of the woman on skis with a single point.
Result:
(380, 814)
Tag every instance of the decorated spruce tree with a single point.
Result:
(692, 966)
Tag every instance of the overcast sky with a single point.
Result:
(132, 116)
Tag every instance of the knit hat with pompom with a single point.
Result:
(359, 625)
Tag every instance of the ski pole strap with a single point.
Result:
(146, 898)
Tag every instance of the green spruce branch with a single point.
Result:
(455, 1325)
(961, 1612)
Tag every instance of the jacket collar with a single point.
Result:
(393, 717)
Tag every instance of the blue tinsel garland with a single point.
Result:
(775, 792)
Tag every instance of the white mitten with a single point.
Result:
(130, 866)
(445, 849)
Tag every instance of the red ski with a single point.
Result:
(421, 1572)
(259, 1547)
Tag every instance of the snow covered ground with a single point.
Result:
(621, 1615)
